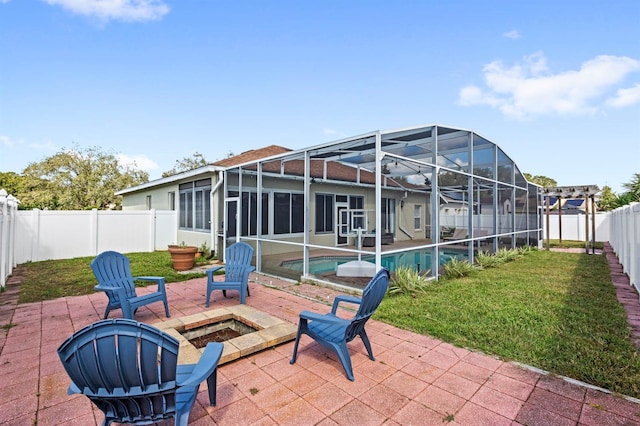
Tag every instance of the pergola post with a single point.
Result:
(547, 218)
(560, 219)
(586, 223)
(593, 224)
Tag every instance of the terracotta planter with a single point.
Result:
(183, 257)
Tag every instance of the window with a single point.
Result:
(417, 217)
(195, 205)
(288, 213)
(172, 201)
(148, 202)
(324, 213)
(249, 219)
(356, 202)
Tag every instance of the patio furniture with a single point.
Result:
(334, 332)
(237, 267)
(129, 371)
(458, 234)
(113, 272)
(370, 239)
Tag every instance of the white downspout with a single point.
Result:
(214, 229)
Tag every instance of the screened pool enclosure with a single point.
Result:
(416, 196)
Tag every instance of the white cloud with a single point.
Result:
(137, 161)
(528, 88)
(7, 142)
(513, 34)
(118, 10)
(625, 97)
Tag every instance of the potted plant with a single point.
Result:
(203, 250)
(182, 256)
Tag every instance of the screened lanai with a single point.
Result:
(417, 196)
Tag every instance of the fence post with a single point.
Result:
(4, 246)
(93, 233)
(13, 206)
(8, 209)
(35, 241)
(152, 230)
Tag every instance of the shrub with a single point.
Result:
(484, 259)
(526, 249)
(458, 268)
(407, 280)
(507, 255)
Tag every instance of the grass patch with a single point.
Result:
(555, 311)
(51, 279)
(571, 244)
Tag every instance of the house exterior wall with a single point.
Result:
(159, 198)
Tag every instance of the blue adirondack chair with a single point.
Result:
(334, 332)
(237, 267)
(113, 273)
(129, 370)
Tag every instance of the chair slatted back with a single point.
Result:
(125, 367)
(113, 269)
(372, 296)
(237, 262)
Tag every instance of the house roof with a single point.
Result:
(335, 171)
(252, 155)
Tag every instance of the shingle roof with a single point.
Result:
(335, 170)
(252, 155)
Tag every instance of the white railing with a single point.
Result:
(625, 240)
(62, 234)
(8, 209)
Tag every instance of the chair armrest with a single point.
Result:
(148, 278)
(211, 271)
(346, 299)
(101, 287)
(206, 365)
(314, 316)
(159, 280)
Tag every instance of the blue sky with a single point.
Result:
(555, 83)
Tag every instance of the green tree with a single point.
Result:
(32, 192)
(10, 182)
(77, 178)
(186, 164)
(608, 199)
(543, 181)
(633, 187)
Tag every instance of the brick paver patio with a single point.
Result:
(415, 379)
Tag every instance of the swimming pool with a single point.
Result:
(420, 259)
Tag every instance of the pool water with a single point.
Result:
(420, 259)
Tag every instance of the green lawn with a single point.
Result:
(51, 279)
(555, 311)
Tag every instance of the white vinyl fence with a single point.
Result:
(625, 240)
(8, 209)
(574, 227)
(63, 234)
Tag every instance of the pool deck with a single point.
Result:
(415, 379)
